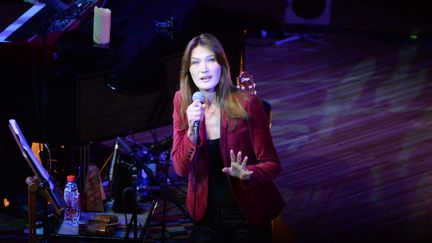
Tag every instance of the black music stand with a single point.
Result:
(39, 184)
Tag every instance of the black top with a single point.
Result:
(219, 193)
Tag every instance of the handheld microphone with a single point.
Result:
(197, 96)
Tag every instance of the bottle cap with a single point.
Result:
(70, 178)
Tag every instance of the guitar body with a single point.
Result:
(246, 82)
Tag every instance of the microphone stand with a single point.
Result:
(114, 162)
(153, 178)
(134, 218)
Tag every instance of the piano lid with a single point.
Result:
(20, 21)
(52, 16)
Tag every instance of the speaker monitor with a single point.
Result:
(308, 12)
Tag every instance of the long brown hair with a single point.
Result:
(227, 95)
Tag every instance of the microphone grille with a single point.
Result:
(198, 96)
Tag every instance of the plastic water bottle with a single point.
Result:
(71, 197)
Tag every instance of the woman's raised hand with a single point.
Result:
(238, 167)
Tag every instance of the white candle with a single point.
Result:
(101, 25)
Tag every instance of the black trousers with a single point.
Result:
(228, 225)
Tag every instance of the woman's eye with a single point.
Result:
(212, 59)
(194, 62)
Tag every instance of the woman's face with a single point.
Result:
(204, 69)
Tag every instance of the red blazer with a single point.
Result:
(258, 198)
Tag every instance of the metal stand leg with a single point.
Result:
(32, 189)
(301, 37)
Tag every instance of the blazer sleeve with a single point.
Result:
(267, 166)
(183, 148)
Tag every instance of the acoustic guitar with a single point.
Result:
(245, 81)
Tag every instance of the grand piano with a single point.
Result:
(65, 89)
